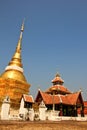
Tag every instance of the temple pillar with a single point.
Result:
(82, 111)
(75, 111)
(61, 110)
(53, 101)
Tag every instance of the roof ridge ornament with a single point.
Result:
(57, 75)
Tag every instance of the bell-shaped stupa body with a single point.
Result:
(12, 81)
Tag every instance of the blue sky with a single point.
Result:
(54, 40)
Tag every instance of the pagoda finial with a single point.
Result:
(57, 80)
(22, 27)
(18, 48)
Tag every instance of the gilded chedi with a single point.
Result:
(12, 81)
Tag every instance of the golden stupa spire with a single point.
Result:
(14, 70)
(15, 62)
(12, 81)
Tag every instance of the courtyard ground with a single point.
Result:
(43, 125)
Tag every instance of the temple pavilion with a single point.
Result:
(59, 98)
(12, 81)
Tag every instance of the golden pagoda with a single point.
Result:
(12, 81)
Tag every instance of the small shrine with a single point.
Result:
(5, 109)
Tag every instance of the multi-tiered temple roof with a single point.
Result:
(58, 87)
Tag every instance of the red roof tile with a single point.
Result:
(69, 99)
(59, 88)
(47, 98)
(28, 98)
(72, 98)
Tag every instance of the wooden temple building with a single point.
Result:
(59, 98)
